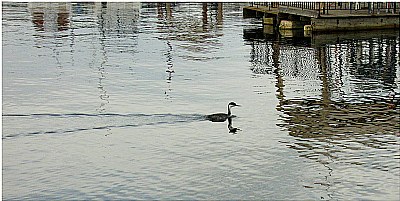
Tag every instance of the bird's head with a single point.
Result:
(233, 104)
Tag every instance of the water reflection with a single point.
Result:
(118, 24)
(232, 129)
(339, 99)
(198, 32)
(119, 20)
(111, 61)
(50, 17)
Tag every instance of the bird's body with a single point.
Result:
(221, 117)
(218, 117)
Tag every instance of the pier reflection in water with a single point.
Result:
(108, 101)
(339, 98)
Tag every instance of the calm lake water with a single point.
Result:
(107, 101)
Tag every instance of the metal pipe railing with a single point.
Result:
(325, 7)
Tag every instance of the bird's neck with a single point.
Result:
(229, 111)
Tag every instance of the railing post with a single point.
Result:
(328, 7)
(319, 9)
(387, 7)
(350, 6)
(369, 7)
(378, 8)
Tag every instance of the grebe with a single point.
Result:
(221, 117)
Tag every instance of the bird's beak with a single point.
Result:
(238, 105)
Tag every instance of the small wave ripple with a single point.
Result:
(16, 125)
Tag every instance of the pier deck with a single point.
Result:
(326, 16)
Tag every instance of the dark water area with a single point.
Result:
(109, 101)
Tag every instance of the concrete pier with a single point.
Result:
(324, 16)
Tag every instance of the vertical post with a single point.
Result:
(387, 7)
(319, 9)
(378, 7)
(369, 7)
(327, 7)
(277, 22)
(350, 6)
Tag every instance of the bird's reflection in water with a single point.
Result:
(232, 129)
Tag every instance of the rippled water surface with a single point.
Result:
(108, 101)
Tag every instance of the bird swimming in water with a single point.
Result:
(221, 117)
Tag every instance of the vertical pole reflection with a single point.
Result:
(101, 69)
(219, 14)
(169, 61)
(160, 13)
(322, 59)
(169, 70)
(390, 64)
(168, 9)
(205, 20)
(279, 80)
(300, 116)
(321, 56)
(103, 92)
(170, 65)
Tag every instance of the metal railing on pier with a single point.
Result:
(324, 7)
(269, 5)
